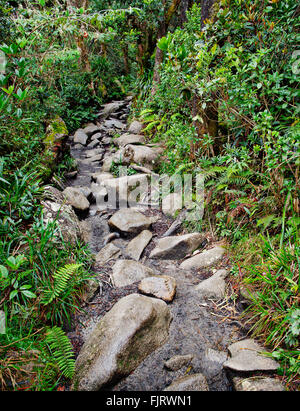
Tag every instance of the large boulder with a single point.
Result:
(144, 155)
(125, 336)
(126, 139)
(66, 220)
(126, 272)
(205, 259)
(176, 247)
(128, 220)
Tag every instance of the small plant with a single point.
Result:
(62, 350)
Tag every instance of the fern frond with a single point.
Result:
(62, 350)
(61, 278)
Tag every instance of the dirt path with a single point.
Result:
(201, 327)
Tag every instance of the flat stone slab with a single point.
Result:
(114, 123)
(76, 198)
(130, 221)
(93, 143)
(163, 287)
(257, 384)
(178, 361)
(213, 287)
(247, 355)
(80, 137)
(144, 155)
(136, 246)
(126, 139)
(91, 129)
(195, 382)
(124, 337)
(126, 272)
(94, 152)
(205, 259)
(176, 247)
(110, 108)
(107, 253)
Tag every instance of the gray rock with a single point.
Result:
(110, 108)
(144, 155)
(135, 127)
(76, 198)
(137, 245)
(66, 220)
(247, 355)
(212, 362)
(107, 253)
(126, 272)
(125, 336)
(97, 136)
(195, 382)
(176, 247)
(107, 140)
(93, 159)
(91, 129)
(78, 146)
(162, 286)
(114, 123)
(86, 230)
(86, 191)
(213, 287)
(257, 384)
(121, 157)
(80, 137)
(101, 177)
(205, 259)
(130, 221)
(94, 152)
(127, 188)
(93, 143)
(178, 361)
(126, 139)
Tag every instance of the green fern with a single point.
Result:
(62, 350)
(61, 278)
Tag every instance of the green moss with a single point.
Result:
(56, 131)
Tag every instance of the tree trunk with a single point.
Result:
(209, 115)
(161, 33)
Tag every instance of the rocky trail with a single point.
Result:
(158, 315)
